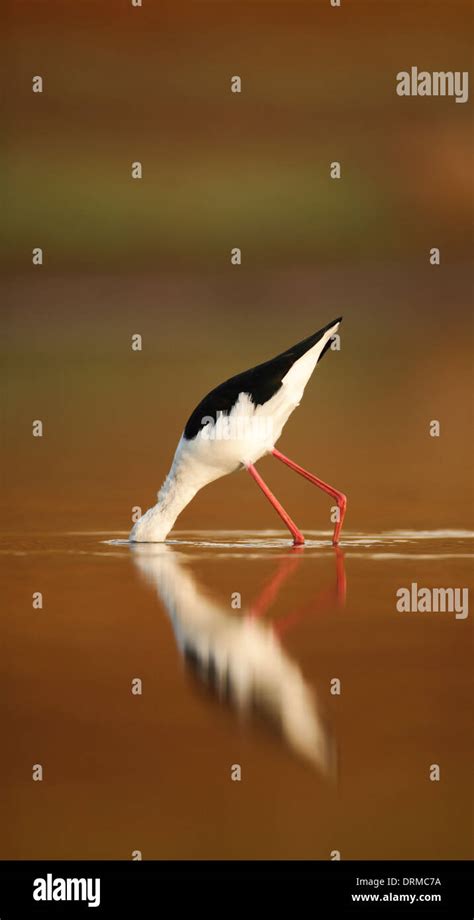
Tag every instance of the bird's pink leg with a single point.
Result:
(339, 496)
(298, 537)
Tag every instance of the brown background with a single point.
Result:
(222, 170)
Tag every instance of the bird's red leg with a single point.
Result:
(339, 496)
(298, 537)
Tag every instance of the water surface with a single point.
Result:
(237, 638)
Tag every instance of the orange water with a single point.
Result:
(152, 772)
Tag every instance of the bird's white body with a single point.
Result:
(227, 443)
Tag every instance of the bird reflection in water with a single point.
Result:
(239, 654)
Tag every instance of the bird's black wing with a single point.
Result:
(260, 383)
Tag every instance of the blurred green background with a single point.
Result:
(220, 170)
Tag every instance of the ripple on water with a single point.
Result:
(383, 546)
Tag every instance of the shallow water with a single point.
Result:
(237, 638)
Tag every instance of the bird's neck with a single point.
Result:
(157, 522)
(175, 493)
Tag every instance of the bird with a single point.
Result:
(235, 425)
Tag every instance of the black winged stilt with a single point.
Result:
(235, 425)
